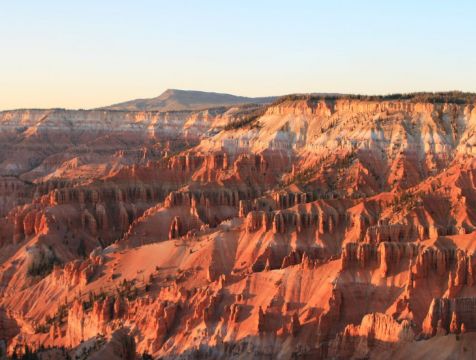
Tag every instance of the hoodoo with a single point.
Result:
(311, 227)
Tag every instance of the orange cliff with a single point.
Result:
(313, 228)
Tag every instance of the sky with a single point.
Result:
(90, 53)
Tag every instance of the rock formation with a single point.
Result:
(313, 227)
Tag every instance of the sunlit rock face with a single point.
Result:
(312, 227)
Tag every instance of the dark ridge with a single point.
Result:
(247, 117)
(448, 97)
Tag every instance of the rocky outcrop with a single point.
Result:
(441, 261)
(293, 258)
(121, 345)
(235, 312)
(286, 234)
(389, 257)
(287, 199)
(256, 220)
(390, 233)
(9, 328)
(87, 318)
(322, 221)
(392, 255)
(175, 228)
(204, 198)
(447, 316)
(29, 221)
(358, 254)
(328, 321)
(376, 330)
(77, 272)
(164, 321)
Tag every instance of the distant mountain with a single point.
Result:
(173, 100)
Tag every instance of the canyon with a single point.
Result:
(302, 227)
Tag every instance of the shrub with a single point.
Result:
(247, 118)
(455, 97)
(40, 261)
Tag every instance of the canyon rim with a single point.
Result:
(313, 226)
(270, 180)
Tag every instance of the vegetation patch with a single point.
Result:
(40, 261)
(449, 97)
(247, 118)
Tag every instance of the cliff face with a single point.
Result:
(325, 228)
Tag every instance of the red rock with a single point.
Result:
(288, 236)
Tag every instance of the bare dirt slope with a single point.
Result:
(314, 227)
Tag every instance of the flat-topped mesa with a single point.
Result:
(448, 316)
(322, 106)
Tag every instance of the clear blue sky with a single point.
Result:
(88, 53)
